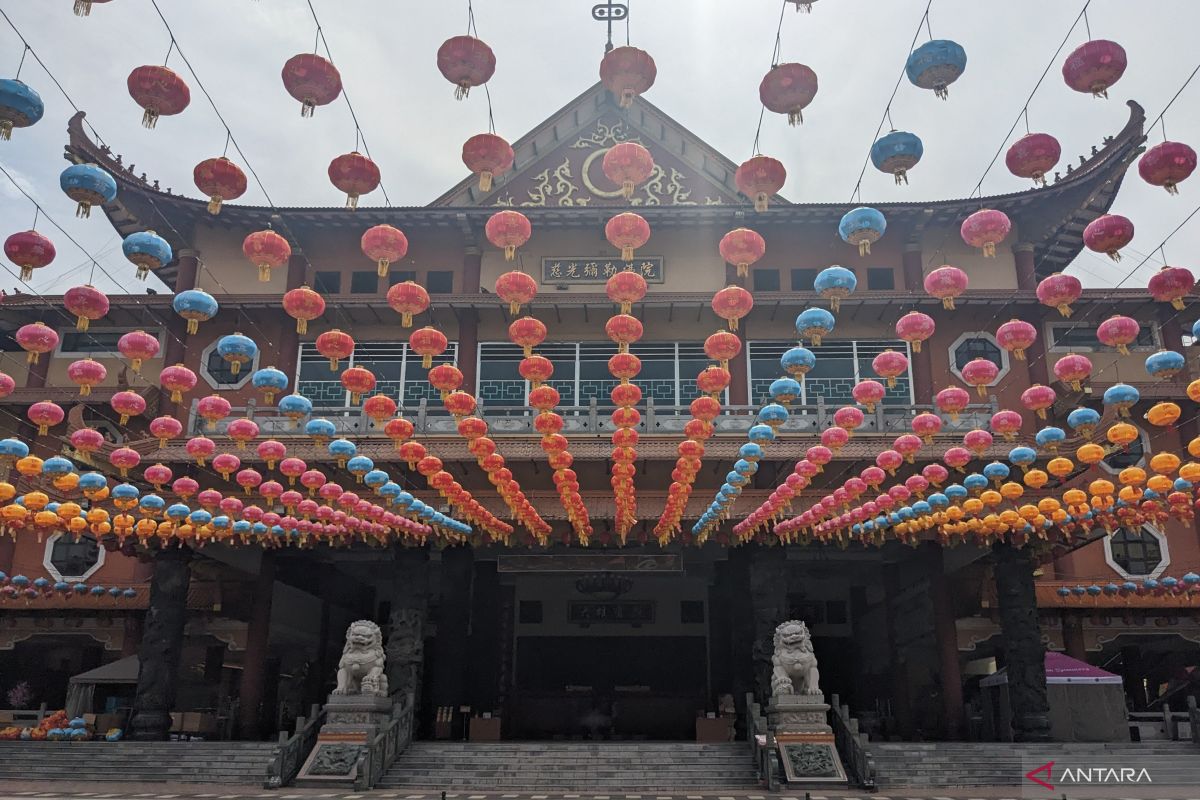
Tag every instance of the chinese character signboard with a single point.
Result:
(574, 270)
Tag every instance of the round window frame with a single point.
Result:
(48, 563)
(1005, 358)
(244, 374)
(1164, 548)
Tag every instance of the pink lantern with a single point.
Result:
(868, 393)
(955, 458)
(890, 364)
(165, 428)
(946, 283)
(86, 441)
(1108, 234)
(45, 414)
(7, 385)
(849, 417)
(1006, 423)
(1038, 398)
(977, 441)
(271, 451)
(818, 455)
(226, 464)
(185, 487)
(889, 460)
(872, 476)
(914, 328)
(985, 229)
(1059, 291)
(1171, 285)
(835, 438)
(200, 448)
(128, 404)
(952, 400)
(138, 346)
(980, 373)
(1073, 369)
(292, 468)
(248, 479)
(917, 484)
(157, 475)
(124, 459)
(907, 445)
(1016, 336)
(1119, 332)
(927, 425)
(86, 373)
(1032, 156)
(935, 474)
(1167, 165)
(87, 303)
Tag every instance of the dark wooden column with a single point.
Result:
(1132, 673)
(1073, 643)
(946, 636)
(1024, 653)
(739, 371)
(914, 268)
(484, 690)
(177, 335)
(450, 646)
(162, 645)
(254, 660)
(1026, 269)
(468, 322)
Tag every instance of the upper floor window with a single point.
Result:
(841, 363)
(364, 282)
(766, 280)
(398, 373)
(327, 282)
(977, 344)
(881, 278)
(69, 560)
(1081, 337)
(95, 342)
(439, 281)
(802, 279)
(1137, 553)
(401, 275)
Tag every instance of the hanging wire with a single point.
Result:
(775, 55)
(21, 63)
(1162, 114)
(887, 109)
(628, 13)
(360, 136)
(473, 31)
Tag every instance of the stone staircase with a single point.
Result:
(241, 763)
(948, 764)
(573, 766)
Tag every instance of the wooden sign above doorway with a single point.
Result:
(590, 562)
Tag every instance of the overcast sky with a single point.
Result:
(711, 55)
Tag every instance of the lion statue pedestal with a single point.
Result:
(797, 713)
(358, 708)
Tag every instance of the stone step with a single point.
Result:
(233, 763)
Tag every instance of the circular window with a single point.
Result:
(977, 344)
(1137, 553)
(219, 372)
(69, 560)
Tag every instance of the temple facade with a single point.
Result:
(631, 639)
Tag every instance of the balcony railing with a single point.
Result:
(430, 419)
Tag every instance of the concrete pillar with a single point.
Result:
(1073, 642)
(254, 660)
(162, 645)
(472, 269)
(946, 635)
(1026, 269)
(914, 267)
(1024, 653)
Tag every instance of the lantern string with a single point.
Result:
(928, 27)
(170, 49)
(36, 210)
(1025, 112)
(473, 31)
(225, 151)
(1087, 26)
(21, 63)
(346, 96)
(774, 63)
(1162, 114)
(628, 13)
(886, 116)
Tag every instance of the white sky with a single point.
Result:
(711, 55)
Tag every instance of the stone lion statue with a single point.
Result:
(793, 664)
(360, 670)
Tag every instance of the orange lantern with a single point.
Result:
(1163, 413)
(516, 288)
(731, 304)
(627, 231)
(1122, 434)
(427, 342)
(1090, 454)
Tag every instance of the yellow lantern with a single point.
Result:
(36, 501)
(991, 498)
(1060, 467)
(1010, 518)
(68, 511)
(955, 513)
(7, 491)
(1011, 491)
(1101, 487)
(1028, 512)
(1090, 454)
(1194, 447)
(1193, 391)
(1162, 414)
(13, 515)
(972, 505)
(1132, 476)
(1036, 479)
(1059, 516)
(1190, 472)
(1130, 494)
(1122, 434)
(1160, 483)
(1075, 497)
(66, 482)
(1165, 463)
(29, 466)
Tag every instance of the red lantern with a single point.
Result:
(86, 373)
(354, 174)
(1094, 66)
(722, 347)
(406, 299)
(527, 332)
(335, 346)
(868, 393)
(788, 89)
(312, 80)
(626, 288)
(7, 385)
(460, 404)
(1108, 234)
(1038, 398)
(45, 414)
(378, 407)
(87, 303)
(705, 408)
(759, 178)
(713, 380)
(383, 244)
(985, 229)
(1167, 165)
(742, 247)
(946, 283)
(731, 304)
(1032, 156)
(980, 373)
(1119, 332)
(624, 330)
(177, 379)
(1171, 285)
(358, 381)
(516, 288)
(29, 250)
(927, 425)
(487, 155)
(627, 164)
(398, 430)
(36, 338)
(472, 428)
(624, 366)
(465, 61)
(627, 231)
(627, 72)
(159, 91)
(890, 364)
(266, 250)
(127, 404)
(1059, 291)
(509, 230)
(1073, 369)
(221, 180)
(544, 398)
(138, 346)
(914, 328)
(446, 378)
(427, 342)
(536, 369)
(1016, 336)
(952, 401)
(624, 395)
(303, 304)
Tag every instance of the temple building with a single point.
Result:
(629, 639)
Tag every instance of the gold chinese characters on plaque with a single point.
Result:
(583, 270)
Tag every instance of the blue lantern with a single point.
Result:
(146, 250)
(813, 323)
(1196, 330)
(897, 153)
(56, 466)
(761, 434)
(295, 407)
(403, 500)
(341, 449)
(375, 478)
(88, 185)
(1122, 397)
(200, 517)
(784, 390)
(196, 306)
(935, 65)
(12, 449)
(151, 504)
(798, 361)
(834, 283)
(862, 226)
(736, 478)
(237, 349)
(957, 492)
(1084, 421)
(1050, 438)
(996, 472)
(20, 106)
(774, 414)
(751, 452)
(321, 430)
(178, 512)
(744, 467)
(269, 381)
(1164, 364)
(975, 482)
(1022, 456)
(358, 466)
(1190, 579)
(90, 482)
(938, 500)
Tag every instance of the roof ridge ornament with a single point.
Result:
(610, 12)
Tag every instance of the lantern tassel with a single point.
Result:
(743, 269)
(485, 181)
(462, 90)
(916, 345)
(1177, 304)
(864, 248)
(626, 100)
(941, 92)
(81, 323)
(142, 272)
(5, 129)
(1064, 309)
(627, 188)
(26, 273)
(427, 361)
(176, 397)
(214, 204)
(307, 107)
(193, 325)
(84, 209)
(510, 252)
(627, 253)
(760, 201)
(235, 367)
(1019, 353)
(989, 250)
(136, 365)
(301, 326)
(149, 118)
(264, 273)
(514, 308)
(733, 324)
(351, 200)
(382, 265)
(1169, 186)
(406, 320)
(83, 8)
(948, 303)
